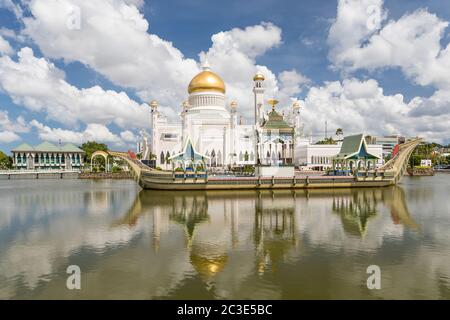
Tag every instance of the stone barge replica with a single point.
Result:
(352, 167)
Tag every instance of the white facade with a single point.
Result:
(319, 156)
(388, 143)
(215, 132)
(212, 126)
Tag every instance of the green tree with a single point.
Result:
(329, 140)
(5, 161)
(116, 169)
(90, 147)
(246, 156)
(339, 132)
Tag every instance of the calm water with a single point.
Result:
(136, 244)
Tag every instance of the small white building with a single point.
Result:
(426, 163)
(309, 156)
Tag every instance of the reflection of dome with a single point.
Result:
(208, 259)
(206, 81)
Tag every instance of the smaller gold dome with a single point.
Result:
(206, 81)
(296, 105)
(154, 104)
(259, 76)
(233, 104)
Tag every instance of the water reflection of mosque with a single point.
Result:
(227, 219)
(357, 207)
(217, 223)
(356, 210)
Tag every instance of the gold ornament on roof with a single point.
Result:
(273, 103)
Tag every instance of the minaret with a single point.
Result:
(233, 120)
(233, 107)
(184, 122)
(154, 116)
(297, 124)
(258, 90)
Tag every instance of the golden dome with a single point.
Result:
(206, 81)
(259, 76)
(154, 104)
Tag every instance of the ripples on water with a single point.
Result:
(136, 244)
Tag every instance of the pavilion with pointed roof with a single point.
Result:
(276, 139)
(47, 155)
(188, 158)
(354, 155)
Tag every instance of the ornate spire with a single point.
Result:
(206, 66)
(273, 103)
(233, 106)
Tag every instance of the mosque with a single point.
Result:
(211, 128)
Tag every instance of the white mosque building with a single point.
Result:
(215, 131)
(212, 127)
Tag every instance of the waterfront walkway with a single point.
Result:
(39, 174)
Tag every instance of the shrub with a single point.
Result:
(116, 169)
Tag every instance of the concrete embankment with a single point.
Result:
(106, 175)
(34, 175)
(418, 171)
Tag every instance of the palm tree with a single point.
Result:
(339, 132)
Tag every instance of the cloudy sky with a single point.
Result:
(75, 70)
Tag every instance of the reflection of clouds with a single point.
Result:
(350, 229)
(39, 242)
(241, 245)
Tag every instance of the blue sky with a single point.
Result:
(315, 51)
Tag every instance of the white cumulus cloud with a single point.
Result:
(93, 131)
(8, 137)
(5, 47)
(43, 89)
(113, 40)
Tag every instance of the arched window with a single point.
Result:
(219, 158)
(241, 157)
(246, 156)
(167, 157)
(252, 156)
(213, 158)
(161, 157)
